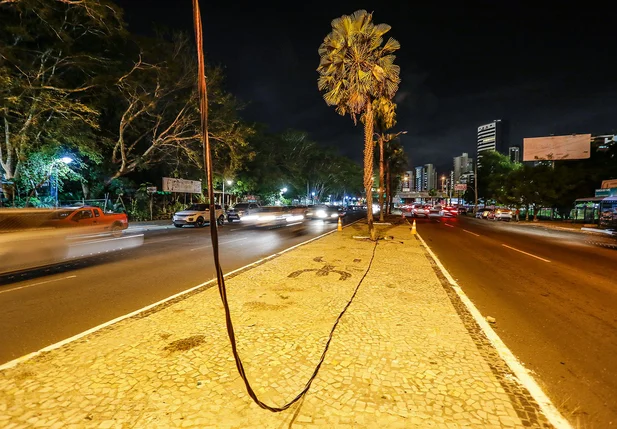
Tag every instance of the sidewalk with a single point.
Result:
(564, 226)
(407, 353)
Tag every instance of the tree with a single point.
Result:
(52, 56)
(157, 119)
(356, 68)
(396, 164)
(385, 118)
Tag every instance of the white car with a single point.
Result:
(501, 214)
(198, 215)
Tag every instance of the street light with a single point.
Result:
(229, 182)
(54, 178)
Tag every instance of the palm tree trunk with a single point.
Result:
(382, 187)
(368, 167)
(388, 190)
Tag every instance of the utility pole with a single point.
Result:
(475, 184)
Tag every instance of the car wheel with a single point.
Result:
(221, 220)
(200, 222)
(116, 230)
(177, 226)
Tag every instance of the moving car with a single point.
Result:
(419, 210)
(324, 212)
(198, 215)
(237, 212)
(450, 211)
(500, 214)
(91, 217)
(270, 217)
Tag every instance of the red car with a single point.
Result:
(91, 218)
(450, 211)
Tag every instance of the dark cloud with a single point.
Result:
(545, 69)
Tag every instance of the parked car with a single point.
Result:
(237, 212)
(198, 215)
(462, 210)
(90, 217)
(500, 214)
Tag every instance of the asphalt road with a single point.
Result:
(554, 297)
(44, 306)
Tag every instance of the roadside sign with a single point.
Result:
(606, 192)
(181, 185)
(609, 184)
(151, 189)
(460, 187)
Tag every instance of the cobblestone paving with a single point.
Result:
(402, 356)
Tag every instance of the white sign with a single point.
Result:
(151, 189)
(181, 185)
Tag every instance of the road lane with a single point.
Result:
(45, 306)
(558, 317)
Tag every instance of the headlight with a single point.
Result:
(190, 219)
(320, 213)
(267, 217)
(295, 218)
(334, 215)
(248, 217)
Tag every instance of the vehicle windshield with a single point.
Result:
(198, 207)
(241, 206)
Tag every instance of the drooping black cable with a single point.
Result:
(203, 104)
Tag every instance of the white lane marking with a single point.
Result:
(549, 410)
(222, 242)
(528, 254)
(36, 284)
(472, 233)
(59, 344)
(447, 224)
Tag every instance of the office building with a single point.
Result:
(419, 178)
(463, 165)
(407, 182)
(430, 177)
(514, 153)
(492, 136)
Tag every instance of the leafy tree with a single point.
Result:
(157, 119)
(53, 54)
(356, 68)
(493, 175)
(385, 118)
(396, 164)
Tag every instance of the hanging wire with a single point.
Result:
(203, 105)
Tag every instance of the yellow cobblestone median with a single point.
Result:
(400, 357)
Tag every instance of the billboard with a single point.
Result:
(555, 148)
(607, 184)
(181, 185)
(460, 187)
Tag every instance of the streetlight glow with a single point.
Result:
(66, 159)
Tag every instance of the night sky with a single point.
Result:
(545, 69)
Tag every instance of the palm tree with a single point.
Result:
(397, 163)
(355, 69)
(385, 118)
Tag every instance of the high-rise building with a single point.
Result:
(514, 153)
(430, 177)
(407, 182)
(463, 165)
(492, 136)
(419, 178)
